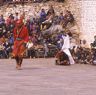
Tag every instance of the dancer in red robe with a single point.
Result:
(20, 39)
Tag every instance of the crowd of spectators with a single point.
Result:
(35, 27)
(45, 44)
(35, 1)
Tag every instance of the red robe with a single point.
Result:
(20, 37)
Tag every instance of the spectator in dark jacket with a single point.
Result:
(42, 16)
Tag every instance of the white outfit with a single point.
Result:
(29, 45)
(66, 46)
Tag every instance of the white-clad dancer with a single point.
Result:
(66, 46)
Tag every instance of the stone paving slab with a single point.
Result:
(43, 77)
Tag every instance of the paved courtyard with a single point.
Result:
(43, 77)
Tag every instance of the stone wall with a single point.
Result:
(88, 20)
(85, 14)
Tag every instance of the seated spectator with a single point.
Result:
(61, 16)
(48, 22)
(11, 25)
(37, 1)
(31, 52)
(11, 40)
(2, 20)
(2, 29)
(7, 48)
(51, 10)
(84, 44)
(55, 20)
(2, 53)
(61, 1)
(68, 18)
(42, 15)
(94, 43)
(16, 17)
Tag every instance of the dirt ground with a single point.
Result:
(43, 77)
